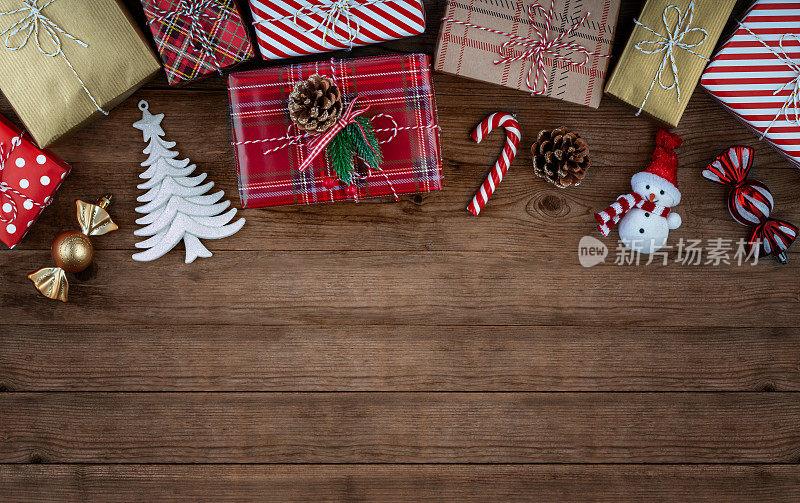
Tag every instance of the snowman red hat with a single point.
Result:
(663, 169)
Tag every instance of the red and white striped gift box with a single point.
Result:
(287, 28)
(755, 74)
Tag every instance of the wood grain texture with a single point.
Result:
(407, 358)
(400, 427)
(398, 288)
(406, 333)
(398, 483)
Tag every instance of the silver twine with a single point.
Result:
(674, 37)
(793, 100)
(46, 36)
(195, 12)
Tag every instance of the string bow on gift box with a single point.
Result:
(334, 14)
(46, 36)
(674, 37)
(792, 101)
(535, 49)
(195, 13)
(8, 206)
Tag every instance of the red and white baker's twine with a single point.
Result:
(6, 188)
(536, 48)
(318, 143)
(195, 11)
(513, 136)
(31, 24)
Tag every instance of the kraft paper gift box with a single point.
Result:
(755, 74)
(197, 38)
(502, 43)
(29, 178)
(66, 62)
(269, 150)
(287, 28)
(665, 55)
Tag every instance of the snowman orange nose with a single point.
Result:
(652, 196)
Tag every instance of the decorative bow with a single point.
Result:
(194, 12)
(34, 23)
(674, 37)
(793, 100)
(537, 48)
(318, 143)
(8, 217)
(609, 217)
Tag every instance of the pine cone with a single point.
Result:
(561, 157)
(315, 104)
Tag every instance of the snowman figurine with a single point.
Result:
(644, 215)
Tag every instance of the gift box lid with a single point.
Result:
(399, 93)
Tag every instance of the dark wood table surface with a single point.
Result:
(405, 351)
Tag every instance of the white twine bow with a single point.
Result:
(536, 48)
(195, 12)
(792, 101)
(36, 24)
(5, 198)
(334, 14)
(675, 37)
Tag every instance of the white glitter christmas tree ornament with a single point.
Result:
(177, 206)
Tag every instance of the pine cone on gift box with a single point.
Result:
(315, 104)
(561, 157)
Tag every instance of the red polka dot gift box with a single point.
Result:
(29, 178)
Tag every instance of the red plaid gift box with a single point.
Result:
(269, 149)
(29, 176)
(197, 37)
(286, 28)
(755, 74)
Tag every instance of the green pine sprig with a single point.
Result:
(350, 143)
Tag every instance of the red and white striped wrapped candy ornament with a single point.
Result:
(513, 136)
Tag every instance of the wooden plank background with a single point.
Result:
(405, 351)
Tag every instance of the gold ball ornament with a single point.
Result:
(72, 251)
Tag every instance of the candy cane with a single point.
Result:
(501, 166)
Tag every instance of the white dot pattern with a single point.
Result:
(7, 208)
(24, 183)
(20, 162)
(45, 180)
(11, 228)
(28, 204)
(41, 159)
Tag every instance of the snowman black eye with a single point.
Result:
(641, 231)
(647, 187)
(647, 214)
(662, 192)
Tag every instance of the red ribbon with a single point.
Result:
(319, 143)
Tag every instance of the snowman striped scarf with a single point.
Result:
(609, 217)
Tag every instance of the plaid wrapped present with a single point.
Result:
(269, 149)
(197, 37)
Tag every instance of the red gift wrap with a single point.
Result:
(29, 177)
(270, 149)
(197, 37)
